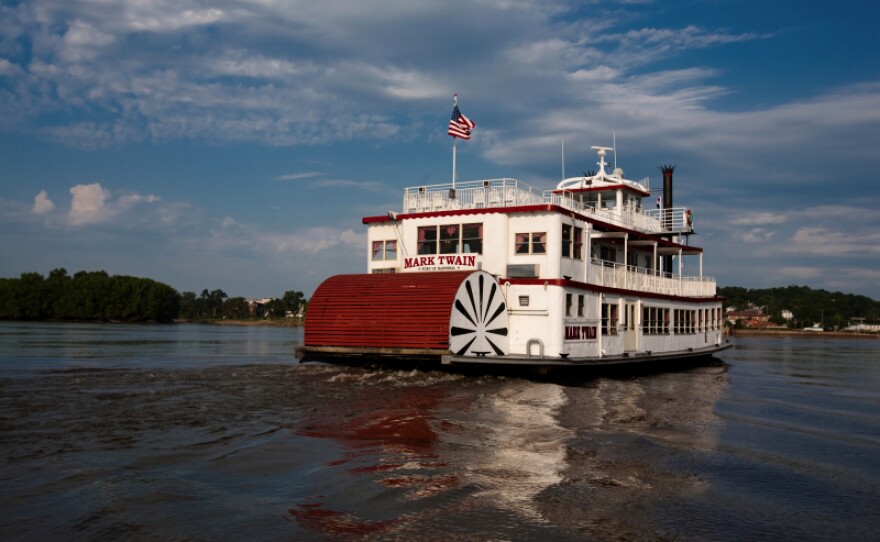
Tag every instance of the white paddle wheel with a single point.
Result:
(478, 325)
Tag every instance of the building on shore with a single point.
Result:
(751, 318)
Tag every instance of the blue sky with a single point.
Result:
(237, 144)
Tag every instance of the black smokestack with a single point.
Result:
(667, 185)
(667, 209)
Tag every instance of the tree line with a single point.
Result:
(87, 296)
(98, 296)
(807, 305)
(215, 304)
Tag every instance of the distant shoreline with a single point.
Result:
(289, 322)
(797, 333)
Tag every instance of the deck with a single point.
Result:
(500, 193)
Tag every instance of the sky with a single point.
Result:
(236, 144)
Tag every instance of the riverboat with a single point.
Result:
(498, 272)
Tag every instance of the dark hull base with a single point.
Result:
(658, 361)
(623, 359)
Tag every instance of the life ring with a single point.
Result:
(689, 216)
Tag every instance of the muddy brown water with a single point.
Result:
(213, 432)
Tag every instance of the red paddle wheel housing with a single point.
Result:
(407, 314)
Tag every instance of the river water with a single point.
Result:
(203, 432)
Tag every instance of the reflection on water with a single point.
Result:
(522, 447)
(207, 432)
(562, 459)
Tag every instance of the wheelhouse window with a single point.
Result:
(427, 240)
(384, 251)
(472, 238)
(531, 243)
(572, 242)
(451, 239)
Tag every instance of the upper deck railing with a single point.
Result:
(498, 193)
(615, 275)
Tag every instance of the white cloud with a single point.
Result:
(83, 40)
(823, 241)
(129, 200)
(297, 176)
(169, 17)
(235, 235)
(8, 68)
(312, 240)
(760, 218)
(94, 204)
(87, 205)
(758, 235)
(374, 186)
(42, 204)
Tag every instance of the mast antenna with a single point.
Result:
(563, 159)
(614, 144)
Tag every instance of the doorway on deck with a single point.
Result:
(630, 327)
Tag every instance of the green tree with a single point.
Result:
(87, 296)
(293, 300)
(213, 301)
(275, 309)
(188, 306)
(236, 308)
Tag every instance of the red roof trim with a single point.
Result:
(605, 289)
(529, 209)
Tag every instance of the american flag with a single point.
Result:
(460, 126)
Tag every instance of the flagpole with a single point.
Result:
(453, 162)
(454, 105)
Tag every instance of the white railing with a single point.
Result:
(615, 275)
(674, 219)
(496, 193)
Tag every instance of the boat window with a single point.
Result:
(609, 318)
(566, 240)
(632, 259)
(568, 304)
(539, 243)
(449, 239)
(686, 321)
(390, 250)
(384, 250)
(608, 254)
(530, 243)
(427, 240)
(572, 242)
(377, 250)
(472, 238)
(580, 305)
